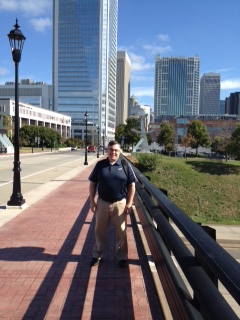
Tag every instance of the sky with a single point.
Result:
(146, 28)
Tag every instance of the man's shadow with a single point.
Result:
(115, 293)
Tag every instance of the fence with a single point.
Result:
(177, 267)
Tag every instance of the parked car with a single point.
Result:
(91, 149)
(74, 149)
(180, 154)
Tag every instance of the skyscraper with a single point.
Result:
(176, 89)
(210, 94)
(123, 87)
(38, 94)
(84, 63)
(234, 103)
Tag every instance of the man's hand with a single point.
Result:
(93, 206)
(128, 209)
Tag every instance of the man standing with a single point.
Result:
(116, 189)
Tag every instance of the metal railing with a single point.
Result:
(177, 267)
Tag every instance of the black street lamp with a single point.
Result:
(33, 140)
(103, 138)
(86, 121)
(16, 40)
(98, 142)
(42, 144)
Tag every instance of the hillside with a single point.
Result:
(208, 191)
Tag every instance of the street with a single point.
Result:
(37, 169)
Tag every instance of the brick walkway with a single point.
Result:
(44, 264)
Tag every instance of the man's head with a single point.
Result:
(113, 151)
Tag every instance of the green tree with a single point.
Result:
(7, 120)
(120, 132)
(72, 142)
(199, 133)
(131, 137)
(125, 130)
(7, 125)
(166, 136)
(48, 136)
(234, 146)
(221, 145)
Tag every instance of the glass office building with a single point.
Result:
(210, 88)
(84, 63)
(176, 88)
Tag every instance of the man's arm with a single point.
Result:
(92, 193)
(131, 192)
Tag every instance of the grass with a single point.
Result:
(207, 191)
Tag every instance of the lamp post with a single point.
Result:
(33, 140)
(16, 40)
(86, 120)
(98, 142)
(103, 138)
(42, 144)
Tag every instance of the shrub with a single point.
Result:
(147, 161)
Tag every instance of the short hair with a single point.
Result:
(112, 143)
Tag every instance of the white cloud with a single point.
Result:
(145, 77)
(27, 7)
(40, 24)
(3, 71)
(138, 62)
(163, 37)
(143, 91)
(230, 84)
(224, 70)
(127, 49)
(154, 49)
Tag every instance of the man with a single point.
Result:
(116, 189)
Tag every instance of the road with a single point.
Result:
(37, 169)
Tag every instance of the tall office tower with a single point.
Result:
(222, 109)
(176, 88)
(123, 87)
(234, 103)
(38, 94)
(85, 62)
(209, 94)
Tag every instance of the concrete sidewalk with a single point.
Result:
(45, 254)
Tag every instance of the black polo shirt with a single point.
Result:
(111, 180)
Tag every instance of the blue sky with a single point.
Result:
(171, 28)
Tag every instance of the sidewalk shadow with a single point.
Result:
(112, 298)
(117, 292)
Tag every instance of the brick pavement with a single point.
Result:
(44, 264)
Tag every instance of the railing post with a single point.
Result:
(212, 233)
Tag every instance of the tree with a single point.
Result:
(125, 130)
(234, 146)
(74, 142)
(7, 125)
(166, 136)
(186, 142)
(27, 135)
(199, 133)
(221, 145)
(131, 137)
(119, 134)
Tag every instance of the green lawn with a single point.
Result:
(208, 191)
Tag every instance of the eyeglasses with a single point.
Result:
(113, 150)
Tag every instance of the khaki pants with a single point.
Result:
(105, 213)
